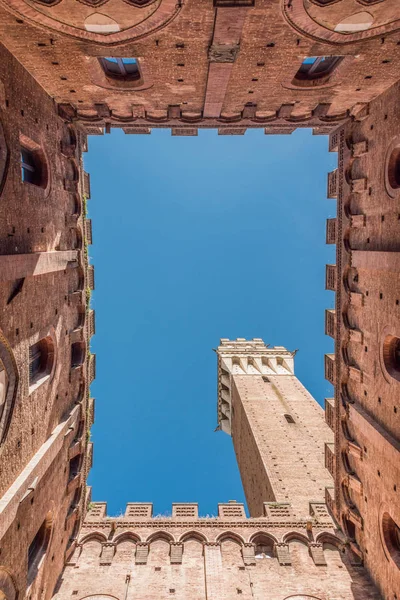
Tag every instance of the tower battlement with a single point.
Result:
(273, 512)
(246, 357)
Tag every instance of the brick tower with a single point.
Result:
(277, 428)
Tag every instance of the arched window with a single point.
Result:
(391, 534)
(316, 69)
(394, 168)
(38, 548)
(41, 359)
(264, 547)
(391, 355)
(121, 68)
(48, 2)
(139, 3)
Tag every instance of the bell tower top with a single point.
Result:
(247, 357)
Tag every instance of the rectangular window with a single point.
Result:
(35, 361)
(28, 166)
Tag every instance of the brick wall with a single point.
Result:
(42, 427)
(367, 300)
(221, 559)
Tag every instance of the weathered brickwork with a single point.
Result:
(43, 444)
(232, 66)
(366, 372)
(219, 558)
(213, 64)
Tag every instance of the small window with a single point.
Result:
(77, 354)
(394, 168)
(391, 355)
(391, 534)
(264, 551)
(263, 547)
(75, 466)
(121, 68)
(316, 68)
(38, 548)
(41, 358)
(33, 166)
(350, 528)
(289, 419)
(28, 164)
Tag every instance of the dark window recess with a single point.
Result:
(289, 419)
(75, 466)
(16, 289)
(391, 355)
(394, 168)
(317, 67)
(33, 167)
(38, 548)
(41, 357)
(391, 532)
(350, 528)
(77, 354)
(35, 361)
(121, 68)
(29, 166)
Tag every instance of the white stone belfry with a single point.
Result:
(247, 357)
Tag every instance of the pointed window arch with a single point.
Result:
(316, 70)
(121, 68)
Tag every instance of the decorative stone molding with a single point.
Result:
(330, 322)
(330, 412)
(283, 554)
(248, 553)
(231, 510)
(137, 510)
(176, 552)
(185, 510)
(332, 184)
(107, 553)
(142, 553)
(331, 231)
(317, 554)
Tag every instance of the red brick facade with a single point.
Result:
(139, 557)
(44, 449)
(232, 66)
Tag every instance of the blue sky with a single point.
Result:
(197, 239)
